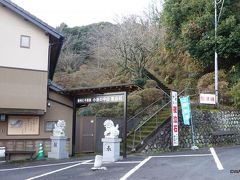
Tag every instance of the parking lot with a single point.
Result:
(214, 163)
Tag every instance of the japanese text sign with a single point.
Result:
(175, 140)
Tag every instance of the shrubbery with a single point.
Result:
(136, 101)
(235, 93)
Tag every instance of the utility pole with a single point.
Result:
(217, 18)
(216, 55)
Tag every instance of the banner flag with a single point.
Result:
(175, 131)
(186, 110)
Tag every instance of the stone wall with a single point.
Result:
(205, 122)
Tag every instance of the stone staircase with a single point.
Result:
(137, 137)
(145, 123)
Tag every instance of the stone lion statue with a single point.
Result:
(59, 128)
(111, 130)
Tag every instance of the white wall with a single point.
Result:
(12, 55)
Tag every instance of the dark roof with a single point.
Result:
(55, 38)
(55, 87)
(100, 90)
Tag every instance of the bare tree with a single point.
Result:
(132, 43)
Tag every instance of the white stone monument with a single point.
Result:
(111, 142)
(59, 141)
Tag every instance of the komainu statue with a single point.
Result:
(59, 128)
(111, 130)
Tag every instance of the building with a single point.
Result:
(30, 103)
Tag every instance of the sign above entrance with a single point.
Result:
(103, 98)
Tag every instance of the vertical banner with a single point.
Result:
(186, 110)
(175, 140)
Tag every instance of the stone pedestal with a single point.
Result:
(58, 147)
(111, 149)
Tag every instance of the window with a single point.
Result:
(49, 125)
(2, 117)
(25, 41)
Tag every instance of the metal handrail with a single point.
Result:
(159, 87)
(151, 116)
(184, 90)
(134, 135)
(144, 109)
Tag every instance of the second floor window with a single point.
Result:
(25, 41)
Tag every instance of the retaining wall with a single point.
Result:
(205, 122)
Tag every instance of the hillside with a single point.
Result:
(83, 62)
(177, 48)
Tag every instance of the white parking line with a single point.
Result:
(58, 170)
(216, 159)
(129, 173)
(127, 162)
(120, 162)
(184, 155)
(44, 165)
(58, 164)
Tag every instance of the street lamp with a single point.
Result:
(217, 18)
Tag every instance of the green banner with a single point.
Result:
(186, 110)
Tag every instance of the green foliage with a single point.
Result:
(190, 24)
(134, 103)
(108, 113)
(178, 68)
(83, 78)
(79, 45)
(206, 84)
(235, 92)
(86, 112)
(140, 82)
(150, 84)
(150, 95)
(234, 74)
(121, 79)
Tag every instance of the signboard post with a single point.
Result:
(175, 139)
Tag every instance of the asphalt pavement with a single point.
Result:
(218, 163)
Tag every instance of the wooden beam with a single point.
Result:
(12, 111)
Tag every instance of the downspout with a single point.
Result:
(49, 81)
(74, 127)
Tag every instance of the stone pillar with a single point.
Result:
(111, 149)
(58, 147)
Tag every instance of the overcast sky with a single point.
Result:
(82, 12)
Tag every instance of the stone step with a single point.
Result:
(147, 129)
